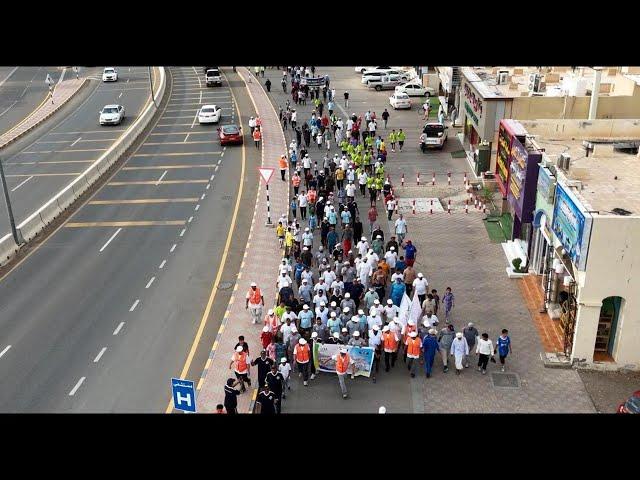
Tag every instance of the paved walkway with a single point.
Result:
(62, 92)
(262, 257)
(549, 330)
(454, 250)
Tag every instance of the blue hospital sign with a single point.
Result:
(184, 395)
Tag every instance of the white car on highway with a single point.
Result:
(112, 115)
(209, 114)
(110, 74)
(400, 100)
(415, 89)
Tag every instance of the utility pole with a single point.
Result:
(17, 236)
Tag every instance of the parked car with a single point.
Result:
(387, 82)
(362, 69)
(110, 74)
(230, 135)
(415, 89)
(632, 405)
(400, 100)
(213, 77)
(434, 135)
(370, 75)
(209, 114)
(111, 115)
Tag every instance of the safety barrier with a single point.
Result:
(39, 219)
(437, 178)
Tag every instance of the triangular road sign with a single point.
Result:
(266, 173)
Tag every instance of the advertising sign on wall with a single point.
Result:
(546, 185)
(518, 167)
(572, 226)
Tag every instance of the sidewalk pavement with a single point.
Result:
(62, 92)
(453, 250)
(260, 264)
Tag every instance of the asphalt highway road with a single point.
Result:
(22, 90)
(103, 314)
(46, 160)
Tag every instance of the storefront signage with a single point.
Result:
(546, 185)
(571, 226)
(518, 167)
(472, 104)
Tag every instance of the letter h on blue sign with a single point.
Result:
(184, 395)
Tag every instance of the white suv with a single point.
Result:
(112, 115)
(110, 74)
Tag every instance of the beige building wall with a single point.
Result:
(584, 129)
(613, 269)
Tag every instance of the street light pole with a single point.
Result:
(151, 83)
(17, 236)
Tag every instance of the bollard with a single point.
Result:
(431, 208)
(466, 206)
(433, 179)
(465, 178)
(484, 208)
(476, 203)
(414, 206)
(418, 178)
(389, 179)
(449, 178)
(402, 181)
(449, 207)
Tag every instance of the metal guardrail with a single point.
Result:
(42, 217)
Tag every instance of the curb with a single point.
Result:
(85, 81)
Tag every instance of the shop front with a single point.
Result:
(521, 191)
(541, 240)
(571, 227)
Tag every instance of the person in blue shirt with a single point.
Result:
(297, 270)
(294, 207)
(332, 238)
(429, 348)
(400, 265)
(397, 291)
(503, 347)
(306, 320)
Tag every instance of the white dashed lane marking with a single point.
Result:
(99, 356)
(118, 328)
(6, 349)
(75, 389)
(150, 282)
(135, 304)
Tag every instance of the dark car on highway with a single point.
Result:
(230, 135)
(632, 405)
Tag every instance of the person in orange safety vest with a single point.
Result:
(344, 363)
(254, 303)
(283, 166)
(413, 344)
(302, 357)
(390, 345)
(241, 363)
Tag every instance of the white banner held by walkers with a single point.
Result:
(405, 307)
(362, 356)
(415, 313)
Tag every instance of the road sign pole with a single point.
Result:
(17, 236)
(268, 209)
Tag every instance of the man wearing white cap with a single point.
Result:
(333, 324)
(429, 348)
(285, 267)
(320, 298)
(375, 342)
(285, 369)
(365, 273)
(306, 321)
(374, 318)
(271, 321)
(254, 302)
(302, 357)
(370, 297)
(390, 311)
(344, 364)
(471, 334)
(292, 341)
(460, 351)
(391, 257)
(241, 363)
(390, 346)
(382, 410)
(413, 345)
(307, 238)
(323, 312)
(284, 280)
(356, 340)
(344, 336)
(363, 246)
(306, 291)
(420, 285)
(348, 303)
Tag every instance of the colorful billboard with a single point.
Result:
(572, 226)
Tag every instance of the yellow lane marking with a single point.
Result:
(214, 287)
(141, 223)
(43, 174)
(177, 143)
(145, 200)
(155, 182)
(174, 154)
(163, 167)
(200, 383)
(89, 131)
(208, 364)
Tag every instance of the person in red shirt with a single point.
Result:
(265, 337)
(373, 216)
